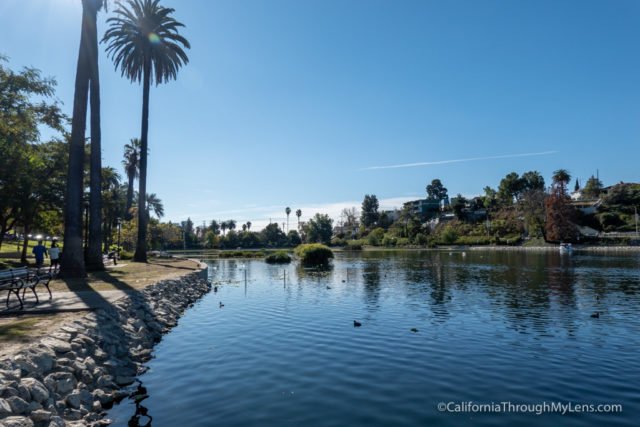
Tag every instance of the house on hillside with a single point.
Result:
(423, 207)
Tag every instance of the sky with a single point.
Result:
(313, 104)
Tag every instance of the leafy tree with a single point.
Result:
(272, 235)
(187, 229)
(131, 163)
(26, 103)
(560, 214)
(369, 215)
(592, 188)
(532, 180)
(459, 205)
(436, 191)
(293, 238)
(144, 42)
(319, 229)
(244, 227)
(490, 198)
(375, 237)
(533, 211)
(214, 227)
(510, 188)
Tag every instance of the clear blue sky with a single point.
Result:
(287, 103)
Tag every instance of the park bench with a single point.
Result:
(20, 279)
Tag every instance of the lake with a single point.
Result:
(485, 327)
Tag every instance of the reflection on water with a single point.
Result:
(492, 326)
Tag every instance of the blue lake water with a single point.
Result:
(492, 327)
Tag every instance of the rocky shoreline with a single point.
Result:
(70, 377)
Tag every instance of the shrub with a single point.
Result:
(354, 245)
(421, 239)
(314, 254)
(336, 241)
(389, 240)
(403, 241)
(449, 236)
(279, 257)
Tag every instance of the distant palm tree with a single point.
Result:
(298, 214)
(223, 226)
(73, 262)
(249, 225)
(244, 227)
(144, 42)
(287, 211)
(231, 224)
(131, 163)
(155, 204)
(561, 178)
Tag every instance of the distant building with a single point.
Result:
(393, 214)
(423, 207)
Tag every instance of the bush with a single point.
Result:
(449, 236)
(240, 254)
(403, 241)
(389, 240)
(421, 239)
(279, 257)
(336, 241)
(126, 255)
(314, 254)
(354, 245)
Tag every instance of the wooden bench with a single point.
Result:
(21, 279)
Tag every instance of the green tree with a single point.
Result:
(532, 180)
(131, 163)
(369, 215)
(298, 214)
(319, 229)
(592, 188)
(436, 191)
(458, 206)
(510, 188)
(154, 204)
(144, 42)
(26, 103)
(293, 238)
(272, 235)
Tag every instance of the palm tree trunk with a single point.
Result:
(72, 262)
(127, 212)
(141, 245)
(94, 254)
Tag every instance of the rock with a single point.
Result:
(61, 382)
(123, 380)
(8, 391)
(16, 422)
(102, 397)
(11, 375)
(59, 346)
(40, 416)
(23, 392)
(56, 421)
(18, 405)
(73, 414)
(105, 382)
(5, 408)
(73, 400)
(33, 406)
(38, 391)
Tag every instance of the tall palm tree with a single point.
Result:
(249, 225)
(144, 42)
(288, 212)
(73, 262)
(560, 179)
(223, 226)
(131, 163)
(299, 214)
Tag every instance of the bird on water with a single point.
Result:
(356, 324)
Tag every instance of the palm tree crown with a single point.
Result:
(143, 34)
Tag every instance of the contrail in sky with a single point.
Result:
(471, 159)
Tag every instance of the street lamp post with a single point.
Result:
(119, 228)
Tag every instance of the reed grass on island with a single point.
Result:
(279, 257)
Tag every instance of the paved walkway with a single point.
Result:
(61, 302)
